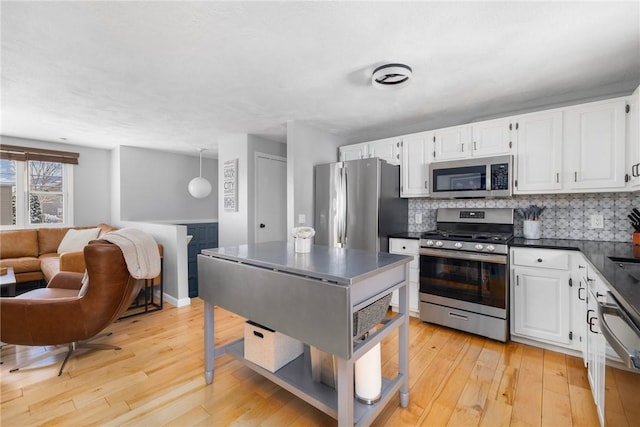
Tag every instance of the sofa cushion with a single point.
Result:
(49, 239)
(50, 265)
(76, 240)
(18, 243)
(21, 264)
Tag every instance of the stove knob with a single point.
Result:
(457, 245)
(479, 247)
(439, 244)
(491, 248)
(429, 243)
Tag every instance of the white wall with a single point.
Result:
(232, 226)
(306, 147)
(160, 191)
(91, 179)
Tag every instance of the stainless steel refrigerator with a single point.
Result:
(358, 204)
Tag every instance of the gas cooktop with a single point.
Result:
(467, 236)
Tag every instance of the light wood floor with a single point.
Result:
(157, 379)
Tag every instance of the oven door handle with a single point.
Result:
(629, 356)
(444, 253)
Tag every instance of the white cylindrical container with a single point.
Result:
(531, 229)
(369, 376)
(302, 245)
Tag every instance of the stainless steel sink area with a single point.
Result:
(630, 265)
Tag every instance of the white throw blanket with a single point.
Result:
(140, 251)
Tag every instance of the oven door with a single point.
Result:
(475, 278)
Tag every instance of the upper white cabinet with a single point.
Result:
(538, 160)
(385, 149)
(633, 140)
(491, 137)
(353, 152)
(414, 168)
(594, 145)
(488, 138)
(452, 143)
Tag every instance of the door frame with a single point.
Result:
(267, 156)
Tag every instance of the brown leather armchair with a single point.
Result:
(58, 315)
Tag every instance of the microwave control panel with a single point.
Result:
(500, 176)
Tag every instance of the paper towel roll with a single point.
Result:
(368, 376)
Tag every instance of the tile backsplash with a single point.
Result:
(567, 216)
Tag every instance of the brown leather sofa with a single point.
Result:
(33, 253)
(58, 315)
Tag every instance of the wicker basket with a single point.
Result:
(370, 316)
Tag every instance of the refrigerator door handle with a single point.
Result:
(345, 194)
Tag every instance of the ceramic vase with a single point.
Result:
(531, 229)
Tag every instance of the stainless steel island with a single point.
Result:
(311, 297)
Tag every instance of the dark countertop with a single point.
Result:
(406, 235)
(342, 266)
(622, 275)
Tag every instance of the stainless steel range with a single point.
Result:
(464, 271)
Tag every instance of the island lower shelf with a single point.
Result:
(296, 378)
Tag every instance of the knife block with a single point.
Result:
(636, 238)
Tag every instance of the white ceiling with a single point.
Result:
(182, 75)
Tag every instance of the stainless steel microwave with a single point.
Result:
(472, 178)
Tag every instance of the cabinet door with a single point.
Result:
(538, 159)
(594, 145)
(541, 305)
(385, 149)
(408, 247)
(633, 141)
(491, 137)
(414, 169)
(596, 347)
(452, 143)
(353, 152)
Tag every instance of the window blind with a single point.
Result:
(14, 152)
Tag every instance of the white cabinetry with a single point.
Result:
(385, 149)
(488, 138)
(596, 344)
(538, 160)
(594, 145)
(414, 167)
(408, 247)
(633, 140)
(353, 152)
(541, 304)
(491, 137)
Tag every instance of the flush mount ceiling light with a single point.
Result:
(391, 76)
(199, 187)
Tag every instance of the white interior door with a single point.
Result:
(271, 199)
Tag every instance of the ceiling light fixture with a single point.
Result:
(199, 187)
(390, 76)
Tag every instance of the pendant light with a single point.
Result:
(199, 187)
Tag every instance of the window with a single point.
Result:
(35, 192)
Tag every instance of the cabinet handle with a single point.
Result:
(598, 295)
(557, 177)
(462, 147)
(591, 325)
(475, 146)
(517, 280)
(539, 260)
(634, 170)
(581, 266)
(575, 176)
(588, 315)
(426, 185)
(581, 299)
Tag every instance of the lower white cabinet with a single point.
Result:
(541, 297)
(408, 247)
(596, 345)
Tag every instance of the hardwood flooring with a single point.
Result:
(157, 379)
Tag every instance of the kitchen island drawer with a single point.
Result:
(544, 258)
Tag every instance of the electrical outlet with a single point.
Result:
(418, 218)
(597, 221)
(302, 218)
